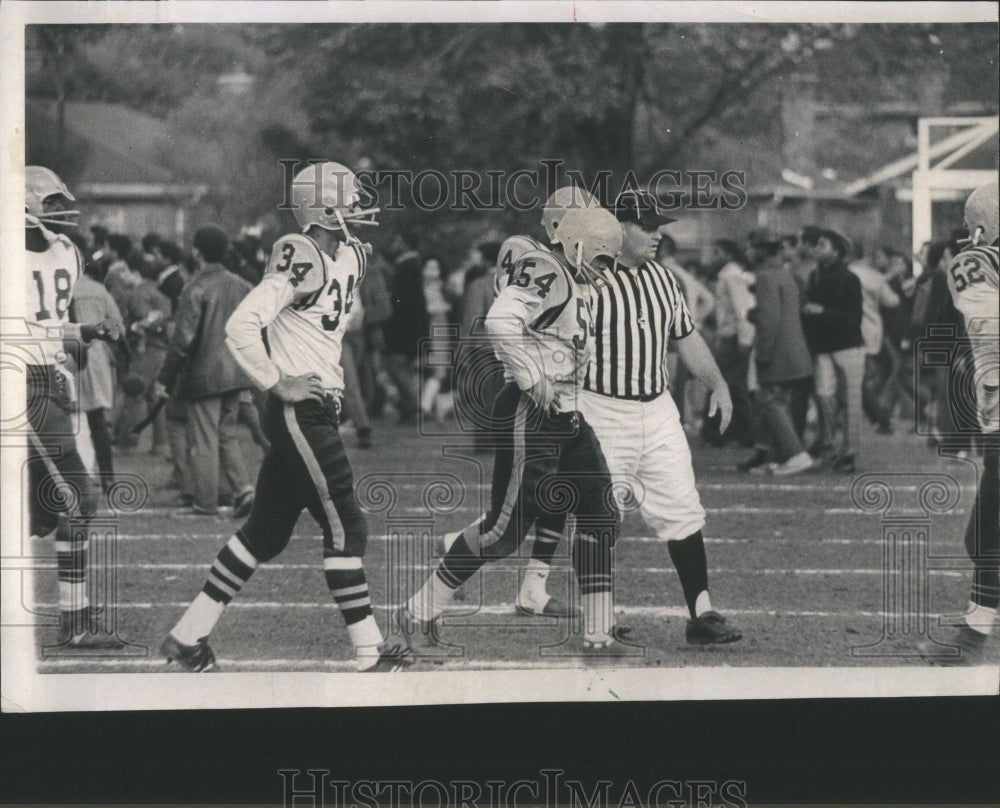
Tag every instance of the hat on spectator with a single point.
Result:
(641, 208)
(840, 243)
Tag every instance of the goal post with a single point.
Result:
(954, 156)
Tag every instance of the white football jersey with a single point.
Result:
(974, 283)
(51, 277)
(300, 309)
(510, 253)
(542, 324)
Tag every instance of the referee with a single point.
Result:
(625, 399)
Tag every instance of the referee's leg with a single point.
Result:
(672, 507)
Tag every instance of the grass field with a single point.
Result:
(794, 563)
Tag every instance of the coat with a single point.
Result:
(93, 304)
(838, 328)
(780, 348)
(198, 343)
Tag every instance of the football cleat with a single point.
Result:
(421, 636)
(970, 650)
(554, 607)
(393, 659)
(197, 658)
(615, 646)
(710, 629)
(76, 630)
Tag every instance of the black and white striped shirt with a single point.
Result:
(635, 314)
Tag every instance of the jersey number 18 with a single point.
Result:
(63, 286)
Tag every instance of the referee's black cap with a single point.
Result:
(640, 207)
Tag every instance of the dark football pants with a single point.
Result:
(545, 468)
(52, 456)
(305, 467)
(982, 537)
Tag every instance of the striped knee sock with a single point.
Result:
(592, 561)
(231, 569)
(71, 561)
(458, 566)
(345, 577)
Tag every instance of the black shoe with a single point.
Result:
(78, 630)
(970, 650)
(758, 458)
(197, 658)
(393, 659)
(243, 505)
(884, 429)
(225, 501)
(365, 438)
(710, 629)
(820, 449)
(844, 464)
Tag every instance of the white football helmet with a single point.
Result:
(981, 214)
(329, 195)
(41, 184)
(589, 233)
(564, 199)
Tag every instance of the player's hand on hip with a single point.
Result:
(544, 396)
(721, 402)
(298, 388)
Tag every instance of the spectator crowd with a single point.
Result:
(814, 337)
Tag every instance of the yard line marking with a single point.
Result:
(157, 510)
(627, 539)
(456, 610)
(730, 486)
(955, 571)
(571, 660)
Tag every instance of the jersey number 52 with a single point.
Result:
(973, 274)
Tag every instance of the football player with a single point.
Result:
(974, 282)
(533, 596)
(541, 326)
(63, 497)
(286, 334)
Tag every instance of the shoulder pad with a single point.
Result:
(513, 248)
(538, 271)
(510, 253)
(297, 257)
